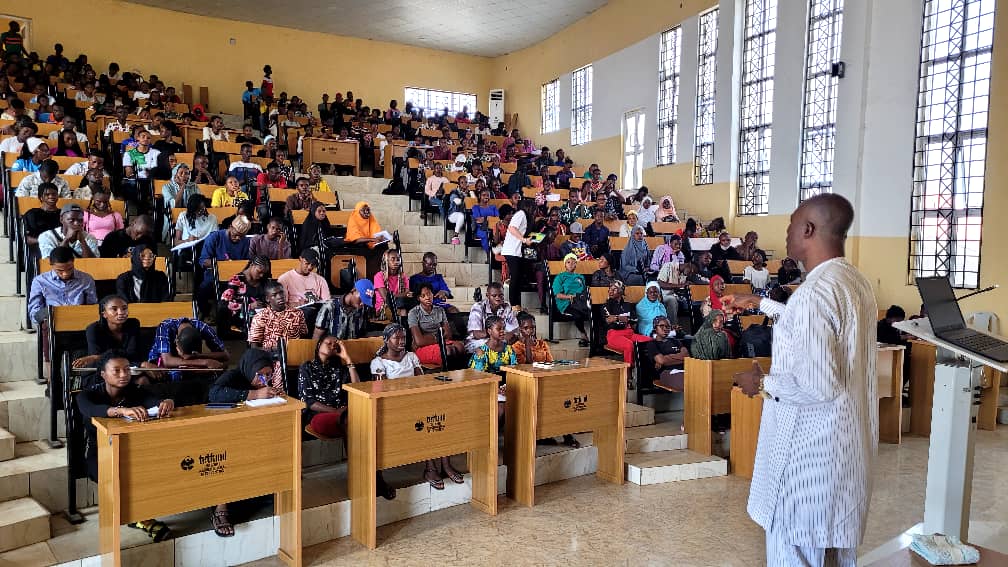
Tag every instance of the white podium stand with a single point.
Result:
(953, 427)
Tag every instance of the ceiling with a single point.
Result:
(475, 27)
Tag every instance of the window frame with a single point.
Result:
(669, 71)
(706, 96)
(581, 106)
(458, 100)
(549, 99)
(756, 80)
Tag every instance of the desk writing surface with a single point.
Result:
(184, 416)
(418, 384)
(584, 366)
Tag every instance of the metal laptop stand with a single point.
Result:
(953, 428)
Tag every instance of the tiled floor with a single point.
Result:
(586, 522)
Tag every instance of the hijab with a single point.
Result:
(646, 215)
(253, 361)
(667, 207)
(358, 226)
(180, 195)
(715, 301)
(636, 256)
(708, 343)
(647, 310)
(149, 285)
(313, 231)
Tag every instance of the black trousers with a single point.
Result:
(518, 271)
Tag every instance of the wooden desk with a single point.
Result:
(923, 356)
(746, 414)
(407, 420)
(546, 403)
(889, 374)
(339, 152)
(707, 392)
(155, 469)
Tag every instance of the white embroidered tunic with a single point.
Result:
(819, 433)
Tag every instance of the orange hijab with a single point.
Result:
(359, 227)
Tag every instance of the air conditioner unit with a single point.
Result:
(496, 112)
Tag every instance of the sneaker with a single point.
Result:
(455, 241)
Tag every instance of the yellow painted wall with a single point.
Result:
(193, 49)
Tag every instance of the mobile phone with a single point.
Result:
(221, 405)
(443, 378)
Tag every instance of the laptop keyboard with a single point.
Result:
(978, 342)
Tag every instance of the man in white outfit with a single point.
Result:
(819, 432)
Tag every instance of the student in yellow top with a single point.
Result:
(315, 179)
(230, 195)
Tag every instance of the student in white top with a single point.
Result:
(215, 130)
(757, 274)
(512, 249)
(393, 360)
(13, 145)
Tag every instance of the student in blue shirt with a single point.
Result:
(429, 276)
(33, 154)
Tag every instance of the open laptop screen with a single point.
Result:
(941, 304)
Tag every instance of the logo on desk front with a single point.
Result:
(431, 423)
(578, 403)
(210, 464)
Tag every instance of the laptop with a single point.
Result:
(947, 321)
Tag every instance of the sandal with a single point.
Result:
(584, 343)
(157, 531)
(221, 523)
(455, 476)
(432, 476)
(570, 441)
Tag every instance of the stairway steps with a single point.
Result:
(19, 350)
(22, 522)
(667, 436)
(7, 442)
(672, 466)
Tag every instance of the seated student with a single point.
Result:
(493, 305)
(428, 275)
(710, 342)
(244, 170)
(47, 173)
(119, 396)
(23, 130)
(757, 274)
(667, 210)
(179, 342)
(248, 137)
(702, 274)
(343, 316)
(99, 218)
(114, 330)
(574, 244)
(674, 281)
(455, 206)
(201, 173)
(631, 221)
(722, 251)
(177, 191)
(424, 321)
(42, 218)
(647, 214)
(230, 195)
(527, 347)
(713, 301)
(303, 284)
(70, 233)
(434, 187)
(619, 323)
(273, 243)
(789, 273)
(748, 246)
(143, 283)
(605, 275)
(227, 243)
(667, 352)
(138, 165)
(316, 229)
(597, 235)
(887, 334)
(649, 307)
(120, 243)
(278, 321)
(33, 153)
(194, 223)
(255, 378)
(391, 285)
(245, 287)
(67, 145)
(363, 227)
(635, 262)
(669, 251)
(301, 200)
(393, 360)
(567, 289)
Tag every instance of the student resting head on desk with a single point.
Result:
(118, 395)
(253, 379)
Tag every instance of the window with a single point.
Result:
(759, 39)
(433, 102)
(633, 149)
(820, 105)
(703, 136)
(581, 105)
(550, 107)
(668, 95)
(950, 150)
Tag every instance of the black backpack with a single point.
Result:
(756, 341)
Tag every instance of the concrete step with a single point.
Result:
(39, 472)
(22, 522)
(19, 351)
(671, 466)
(6, 445)
(636, 416)
(8, 281)
(12, 312)
(667, 436)
(24, 410)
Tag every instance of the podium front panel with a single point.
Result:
(578, 402)
(166, 471)
(432, 423)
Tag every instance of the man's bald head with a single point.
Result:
(831, 214)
